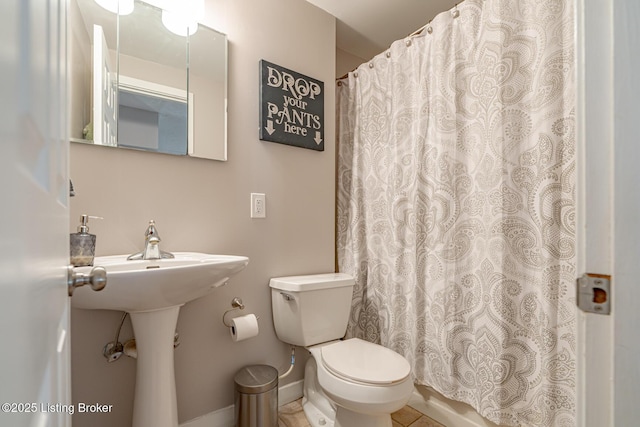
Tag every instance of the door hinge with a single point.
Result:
(594, 293)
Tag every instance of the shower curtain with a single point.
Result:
(455, 211)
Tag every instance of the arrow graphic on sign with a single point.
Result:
(270, 127)
(318, 138)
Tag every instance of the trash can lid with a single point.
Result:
(256, 379)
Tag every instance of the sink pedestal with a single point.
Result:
(155, 402)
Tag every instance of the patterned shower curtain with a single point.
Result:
(456, 213)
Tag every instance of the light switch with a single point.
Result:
(258, 205)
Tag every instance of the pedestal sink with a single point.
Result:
(152, 292)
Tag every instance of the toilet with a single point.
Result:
(347, 383)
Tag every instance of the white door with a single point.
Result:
(609, 209)
(626, 216)
(34, 219)
(594, 118)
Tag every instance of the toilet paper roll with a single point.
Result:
(243, 327)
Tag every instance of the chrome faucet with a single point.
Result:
(151, 245)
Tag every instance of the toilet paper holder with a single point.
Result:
(236, 304)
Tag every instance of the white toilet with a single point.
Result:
(350, 383)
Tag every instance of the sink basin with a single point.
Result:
(144, 285)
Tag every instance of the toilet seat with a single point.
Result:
(363, 362)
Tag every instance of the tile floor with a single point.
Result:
(292, 415)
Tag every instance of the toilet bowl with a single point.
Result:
(348, 383)
(363, 395)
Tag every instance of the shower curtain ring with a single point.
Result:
(455, 12)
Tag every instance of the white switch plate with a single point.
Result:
(258, 205)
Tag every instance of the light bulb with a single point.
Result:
(121, 7)
(178, 23)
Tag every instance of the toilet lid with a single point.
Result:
(365, 362)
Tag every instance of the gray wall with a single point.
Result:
(346, 62)
(202, 205)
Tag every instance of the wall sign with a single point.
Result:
(291, 107)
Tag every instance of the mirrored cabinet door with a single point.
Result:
(141, 82)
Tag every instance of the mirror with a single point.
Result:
(136, 84)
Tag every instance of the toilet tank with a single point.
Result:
(313, 309)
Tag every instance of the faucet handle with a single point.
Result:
(151, 230)
(151, 249)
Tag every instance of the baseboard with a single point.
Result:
(290, 392)
(221, 418)
(225, 417)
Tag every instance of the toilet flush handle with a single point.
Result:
(287, 296)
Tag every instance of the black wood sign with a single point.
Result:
(291, 107)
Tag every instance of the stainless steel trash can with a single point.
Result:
(256, 396)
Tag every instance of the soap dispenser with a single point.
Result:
(83, 244)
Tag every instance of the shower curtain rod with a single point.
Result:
(454, 12)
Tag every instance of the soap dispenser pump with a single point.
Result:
(82, 244)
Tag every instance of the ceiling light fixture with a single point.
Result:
(121, 7)
(179, 23)
(182, 17)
